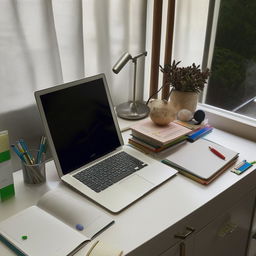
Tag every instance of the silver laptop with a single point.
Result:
(86, 143)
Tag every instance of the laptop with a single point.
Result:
(84, 137)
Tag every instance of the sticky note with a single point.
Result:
(4, 147)
(6, 179)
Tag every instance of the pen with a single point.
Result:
(19, 154)
(25, 154)
(217, 153)
(25, 149)
(41, 149)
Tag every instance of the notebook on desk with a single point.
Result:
(84, 138)
(196, 160)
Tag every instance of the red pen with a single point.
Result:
(217, 153)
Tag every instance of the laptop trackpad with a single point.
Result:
(136, 184)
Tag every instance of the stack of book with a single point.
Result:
(150, 137)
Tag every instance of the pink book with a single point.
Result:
(159, 135)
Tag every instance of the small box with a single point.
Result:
(6, 178)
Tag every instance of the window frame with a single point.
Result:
(220, 118)
(234, 123)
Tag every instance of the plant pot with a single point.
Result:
(161, 112)
(184, 100)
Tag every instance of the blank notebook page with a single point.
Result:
(197, 158)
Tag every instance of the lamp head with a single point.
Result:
(121, 62)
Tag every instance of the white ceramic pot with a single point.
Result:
(161, 111)
(184, 100)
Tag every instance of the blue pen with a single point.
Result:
(25, 148)
(24, 153)
(19, 154)
(41, 149)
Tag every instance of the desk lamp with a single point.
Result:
(131, 109)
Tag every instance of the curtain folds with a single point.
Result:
(48, 42)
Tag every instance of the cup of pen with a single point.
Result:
(34, 167)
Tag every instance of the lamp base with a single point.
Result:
(132, 110)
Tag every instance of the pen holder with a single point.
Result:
(34, 173)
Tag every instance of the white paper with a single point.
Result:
(73, 209)
(197, 158)
(46, 235)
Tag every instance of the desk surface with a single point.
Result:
(152, 214)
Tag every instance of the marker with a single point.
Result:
(217, 153)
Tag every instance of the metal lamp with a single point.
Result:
(131, 109)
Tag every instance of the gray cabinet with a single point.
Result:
(226, 234)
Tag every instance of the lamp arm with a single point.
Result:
(139, 55)
(134, 80)
(134, 60)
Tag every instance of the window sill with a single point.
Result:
(221, 119)
(231, 122)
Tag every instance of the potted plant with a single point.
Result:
(185, 85)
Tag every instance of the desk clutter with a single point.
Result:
(6, 179)
(182, 146)
(51, 226)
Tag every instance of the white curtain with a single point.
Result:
(48, 42)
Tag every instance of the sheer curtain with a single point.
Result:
(48, 42)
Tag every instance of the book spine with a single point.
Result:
(6, 178)
(199, 133)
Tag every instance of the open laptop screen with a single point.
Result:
(80, 123)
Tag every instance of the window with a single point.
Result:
(232, 85)
(229, 99)
(195, 30)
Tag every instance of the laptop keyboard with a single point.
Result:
(109, 171)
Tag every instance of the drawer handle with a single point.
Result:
(189, 231)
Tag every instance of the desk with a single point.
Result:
(148, 227)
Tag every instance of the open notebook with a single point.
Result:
(59, 224)
(198, 162)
